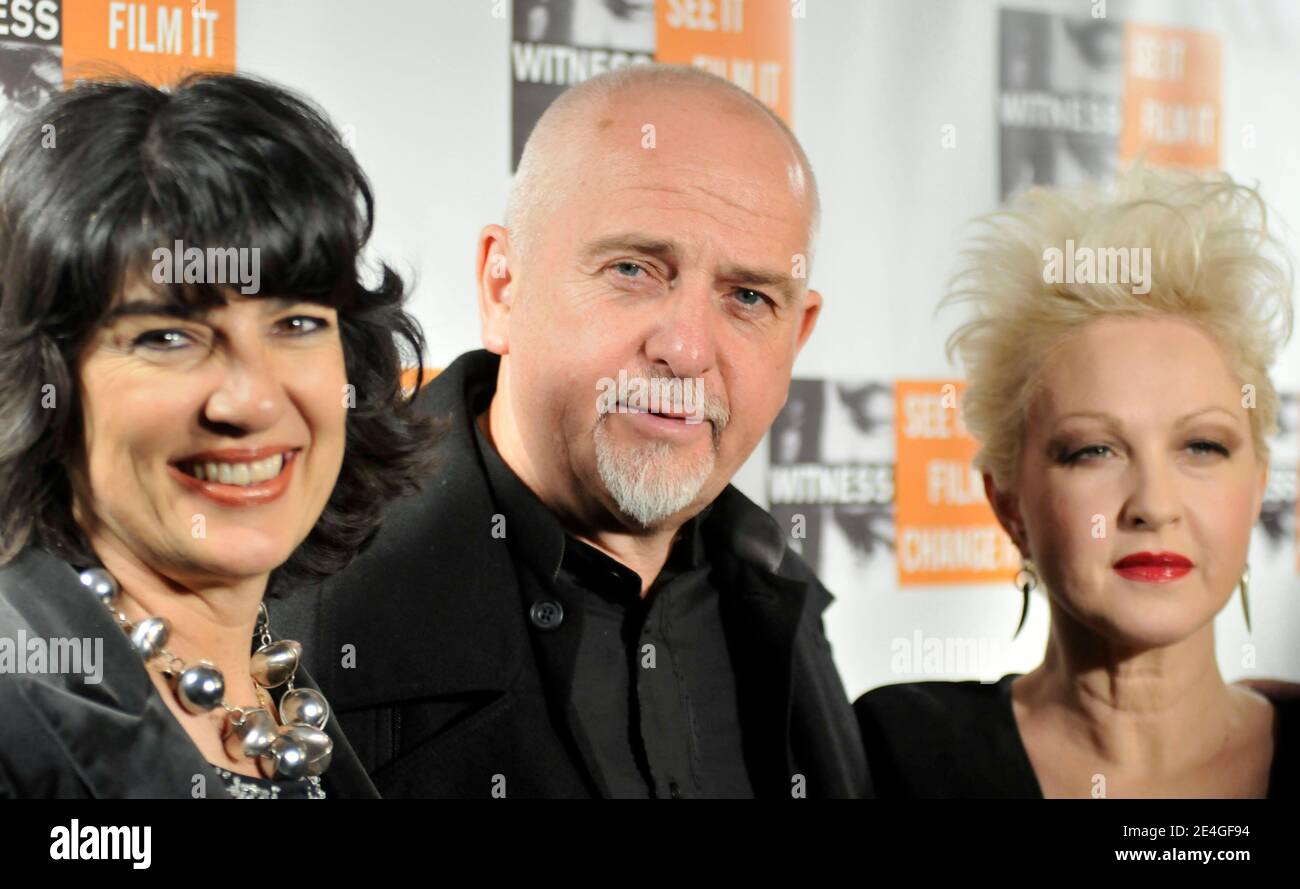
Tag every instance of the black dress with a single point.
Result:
(959, 740)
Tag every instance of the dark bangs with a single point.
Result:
(219, 162)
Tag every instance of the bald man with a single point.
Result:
(580, 604)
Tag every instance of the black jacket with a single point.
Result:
(63, 737)
(446, 689)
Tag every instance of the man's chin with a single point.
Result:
(653, 483)
(648, 496)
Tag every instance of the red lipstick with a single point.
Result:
(1153, 567)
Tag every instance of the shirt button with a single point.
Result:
(546, 615)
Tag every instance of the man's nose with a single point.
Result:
(685, 337)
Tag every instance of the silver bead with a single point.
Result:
(275, 664)
(150, 636)
(101, 583)
(250, 734)
(319, 746)
(286, 760)
(304, 706)
(200, 688)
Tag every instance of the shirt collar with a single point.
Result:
(544, 544)
(530, 530)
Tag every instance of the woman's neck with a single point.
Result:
(211, 620)
(1148, 709)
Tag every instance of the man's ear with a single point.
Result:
(1007, 508)
(494, 288)
(812, 307)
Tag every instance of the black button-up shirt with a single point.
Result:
(653, 702)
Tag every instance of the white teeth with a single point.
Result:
(271, 467)
(239, 474)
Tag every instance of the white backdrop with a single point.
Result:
(423, 87)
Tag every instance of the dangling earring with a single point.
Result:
(1245, 595)
(1026, 581)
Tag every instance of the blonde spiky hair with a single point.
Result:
(1213, 262)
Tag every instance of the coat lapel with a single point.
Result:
(346, 778)
(432, 608)
(117, 734)
(761, 616)
(120, 754)
(761, 612)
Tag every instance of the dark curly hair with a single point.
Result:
(96, 179)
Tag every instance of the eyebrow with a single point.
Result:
(783, 284)
(1113, 420)
(667, 251)
(138, 307)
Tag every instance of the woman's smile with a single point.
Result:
(237, 476)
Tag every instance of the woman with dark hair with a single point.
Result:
(198, 397)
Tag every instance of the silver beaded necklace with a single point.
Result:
(296, 748)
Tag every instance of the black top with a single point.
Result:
(653, 688)
(95, 725)
(247, 787)
(959, 740)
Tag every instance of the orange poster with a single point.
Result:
(744, 41)
(157, 40)
(945, 531)
(1172, 102)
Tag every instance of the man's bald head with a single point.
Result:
(559, 144)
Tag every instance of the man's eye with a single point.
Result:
(628, 269)
(749, 298)
(299, 325)
(163, 340)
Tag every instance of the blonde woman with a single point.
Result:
(1117, 354)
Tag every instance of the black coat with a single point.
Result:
(62, 737)
(451, 691)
